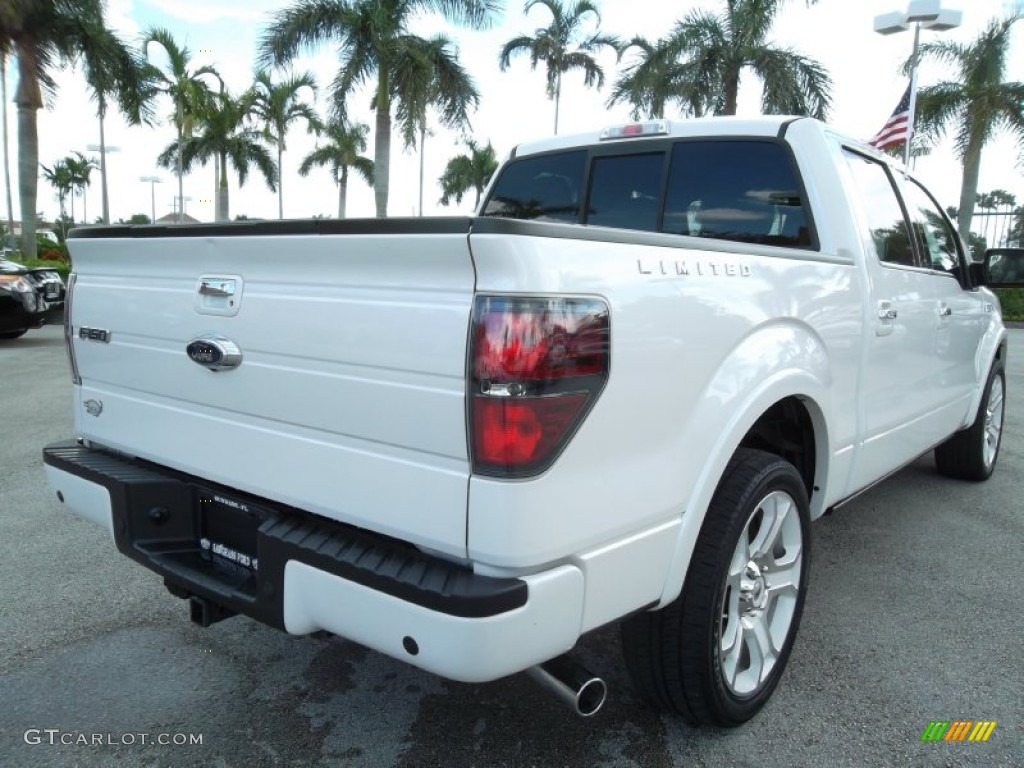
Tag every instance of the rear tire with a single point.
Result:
(715, 654)
(12, 334)
(971, 453)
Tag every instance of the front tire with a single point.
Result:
(716, 653)
(971, 453)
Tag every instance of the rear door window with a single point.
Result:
(743, 190)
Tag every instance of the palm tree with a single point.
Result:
(114, 72)
(80, 168)
(977, 104)
(186, 89)
(4, 53)
(61, 177)
(1010, 201)
(221, 134)
(443, 84)
(987, 201)
(1015, 235)
(719, 48)
(345, 142)
(278, 105)
(40, 34)
(562, 46)
(466, 172)
(658, 77)
(373, 39)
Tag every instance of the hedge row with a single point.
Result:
(1012, 301)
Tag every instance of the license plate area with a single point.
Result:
(228, 533)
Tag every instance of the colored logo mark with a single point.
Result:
(958, 730)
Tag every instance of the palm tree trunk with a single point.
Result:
(969, 188)
(28, 152)
(342, 191)
(7, 157)
(216, 187)
(423, 139)
(71, 194)
(382, 149)
(732, 88)
(558, 96)
(181, 141)
(280, 181)
(222, 190)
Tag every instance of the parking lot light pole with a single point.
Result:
(153, 181)
(921, 13)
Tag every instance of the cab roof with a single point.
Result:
(765, 125)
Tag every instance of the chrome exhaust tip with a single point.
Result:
(573, 683)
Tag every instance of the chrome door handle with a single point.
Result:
(217, 288)
(945, 312)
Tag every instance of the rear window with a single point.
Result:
(625, 191)
(745, 190)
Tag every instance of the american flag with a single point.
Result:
(897, 128)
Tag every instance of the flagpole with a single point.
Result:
(913, 94)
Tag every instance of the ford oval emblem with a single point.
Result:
(214, 352)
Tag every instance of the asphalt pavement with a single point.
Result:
(913, 615)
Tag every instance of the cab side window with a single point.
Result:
(936, 238)
(546, 188)
(888, 225)
(742, 190)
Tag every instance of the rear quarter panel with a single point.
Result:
(704, 337)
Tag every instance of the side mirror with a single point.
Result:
(1002, 268)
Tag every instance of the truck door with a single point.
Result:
(962, 316)
(901, 379)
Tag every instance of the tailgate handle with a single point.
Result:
(217, 287)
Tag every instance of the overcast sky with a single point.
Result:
(225, 33)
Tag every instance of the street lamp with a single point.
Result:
(180, 207)
(153, 181)
(921, 13)
(103, 149)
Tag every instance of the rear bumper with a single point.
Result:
(309, 573)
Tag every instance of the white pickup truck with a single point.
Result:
(622, 391)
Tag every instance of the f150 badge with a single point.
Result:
(214, 352)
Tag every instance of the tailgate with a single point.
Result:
(349, 399)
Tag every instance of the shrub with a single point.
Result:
(1012, 301)
(63, 267)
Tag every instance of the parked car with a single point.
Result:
(29, 297)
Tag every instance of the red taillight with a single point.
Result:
(536, 368)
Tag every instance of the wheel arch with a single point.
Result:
(991, 349)
(783, 411)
